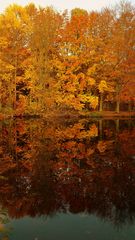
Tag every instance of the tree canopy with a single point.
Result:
(80, 61)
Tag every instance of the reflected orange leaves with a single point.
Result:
(27, 164)
(6, 164)
(70, 166)
(102, 146)
(18, 149)
(78, 131)
(129, 149)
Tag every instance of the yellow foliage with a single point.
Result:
(92, 70)
(103, 86)
(91, 81)
(92, 100)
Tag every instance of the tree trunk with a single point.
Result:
(117, 98)
(118, 105)
(101, 103)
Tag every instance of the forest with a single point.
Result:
(67, 61)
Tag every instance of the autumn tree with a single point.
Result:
(72, 62)
(45, 25)
(121, 48)
(14, 25)
(78, 61)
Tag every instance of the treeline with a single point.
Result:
(77, 60)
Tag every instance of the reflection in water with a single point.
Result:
(78, 167)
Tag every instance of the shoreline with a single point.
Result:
(70, 114)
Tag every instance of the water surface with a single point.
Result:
(67, 179)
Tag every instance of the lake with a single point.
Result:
(67, 179)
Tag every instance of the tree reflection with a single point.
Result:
(48, 167)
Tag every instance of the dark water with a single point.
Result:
(67, 180)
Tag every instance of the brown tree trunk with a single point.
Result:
(118, 105)
(101, 103)
(117, 98)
